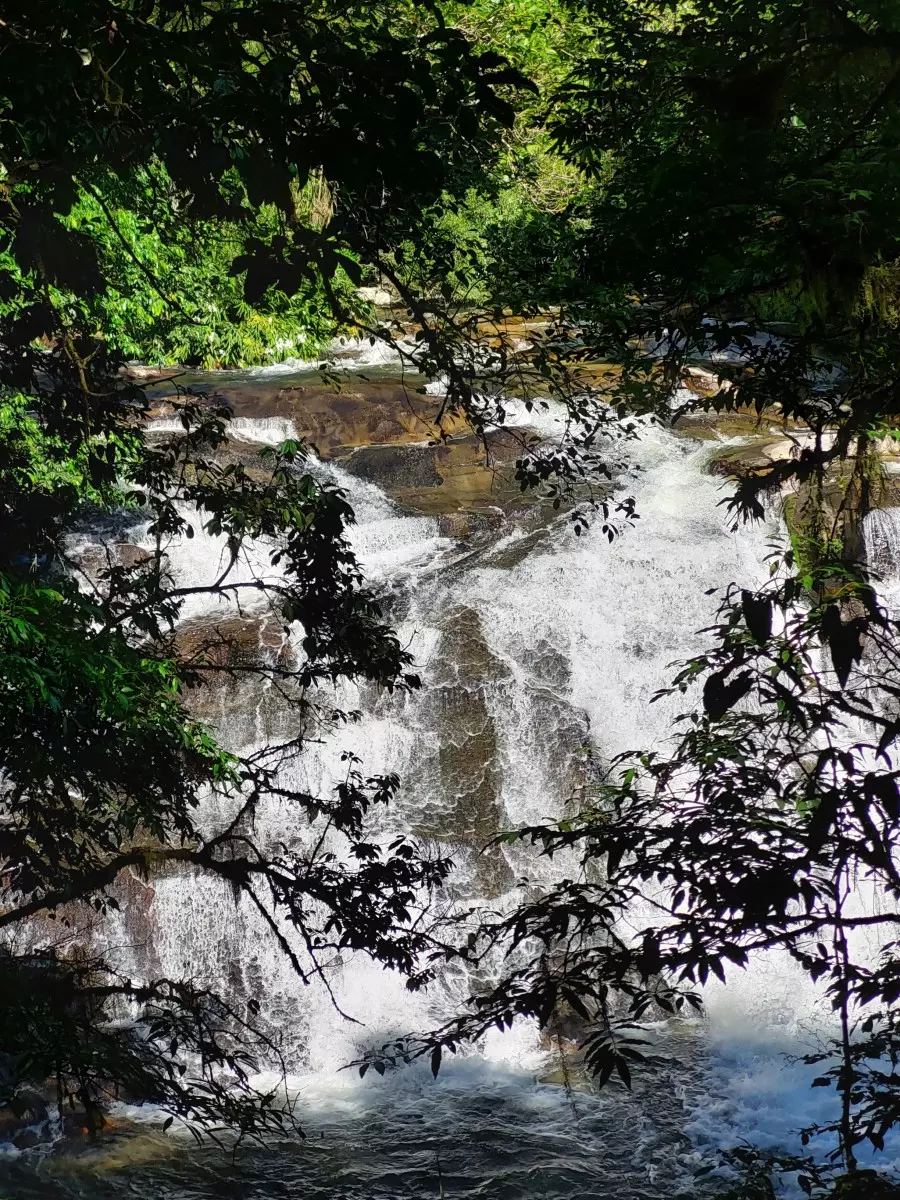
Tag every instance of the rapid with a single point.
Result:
(532, 644)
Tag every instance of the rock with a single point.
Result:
(225, 694)
(27, 1107)
(333, 420)
(28, 1139)
(94, 559)
(460, 474)
(753, 455)
(713, 426)
(141, 373)
(463, 524)
(232, 642)
(866, 1185)
(219, 649)
(26, 1110)
(705, 382)
(393, 467)
(362, 413)
(464, 669)
(376, 295)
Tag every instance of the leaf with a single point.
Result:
(435, 1061)
(844, 640)
(719, 697)
(351, 267)
(757, 612)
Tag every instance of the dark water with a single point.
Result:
(476, 1132)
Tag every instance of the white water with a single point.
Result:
(881, 541)
(529, 648)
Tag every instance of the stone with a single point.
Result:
(705, 382)
(393, 467)
(380, 297)
(142, 373)
(336, 420)
(459, 474)
(28, 1139)
(219, 649)
(95, 559)
(29, 1106)
(713, 426)
(753, 455)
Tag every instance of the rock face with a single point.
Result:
(378, 296)
(852, 487)
(462, 474)
(363, 412)
(753, 454)
(220, 652)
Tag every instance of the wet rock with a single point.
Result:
(393, 467)
(378, 296)
(362, 412)
(27, 1110)
(467, 759)
(28, 1139)
(96, 559)
(704, 382)
(135, 897)
(232, 642)
(222, 653)
(753, 455)
(247, 455)
(142, 373)
(463, 524)
(713, 426)
(461, 773)
(463, 474)
(29, 1105)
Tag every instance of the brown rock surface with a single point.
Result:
(363, 412)
(752, 455)
(229, 693)
(461, 474)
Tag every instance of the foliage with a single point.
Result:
(159, 161)
(728, 165)
(504, 246)
(171, 296)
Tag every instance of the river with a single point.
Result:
(532, 643)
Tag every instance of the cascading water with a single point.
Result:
(881, 542)
(530, 645)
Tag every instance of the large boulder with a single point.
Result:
(460, 474)
(335, 420)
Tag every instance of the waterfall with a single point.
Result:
(531, 644)
(529, 648)
(881, 545)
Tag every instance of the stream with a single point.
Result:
(532, 644)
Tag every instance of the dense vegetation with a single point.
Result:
(162, 193)
(209, 183)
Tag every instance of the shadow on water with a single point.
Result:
(478, 1131)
